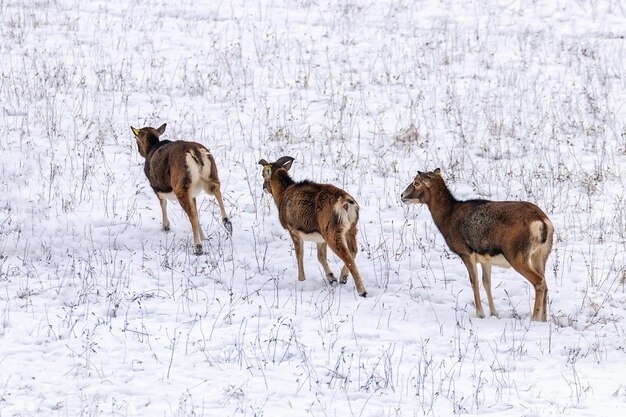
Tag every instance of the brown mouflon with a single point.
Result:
(180, 170)
(502, 233)
(320, 213)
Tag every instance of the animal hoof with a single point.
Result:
(166, 228)
(363, 294)
(198, 250)
(480, 315)
(332, 280)
(228, 226)
(343, 280)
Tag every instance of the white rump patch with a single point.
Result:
(197, 172)
(536, 229)
(347, 217)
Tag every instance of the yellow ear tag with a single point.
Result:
(267, 168)
(135, 131)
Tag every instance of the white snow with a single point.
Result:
(104, 314)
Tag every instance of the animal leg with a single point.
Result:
(487, 284)
(165, 224)
(541, 289)
(352, 247)
(195, 206)
(338, 245)
(297, 243)
(470, 264)
(323, 259)
(539, 260)
(213, 188)
(189, 206)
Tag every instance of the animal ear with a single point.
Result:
(424, 176)
(161, 129)
(438, 171)
(287, 165)
(285, 162)
(135, 131)
(267, 167)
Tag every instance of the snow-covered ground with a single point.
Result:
(104, 314)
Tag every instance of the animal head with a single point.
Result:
(271, 168)
(146, 137)
(418, 192)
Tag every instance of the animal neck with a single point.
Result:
(153, 143)
(279, 183)
(440, 203)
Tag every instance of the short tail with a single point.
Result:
(547, 234)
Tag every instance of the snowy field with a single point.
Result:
(104, 314)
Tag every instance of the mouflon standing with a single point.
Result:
(500, 233)
(180, 170)
(320, 213)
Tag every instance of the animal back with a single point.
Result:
(486, 225)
